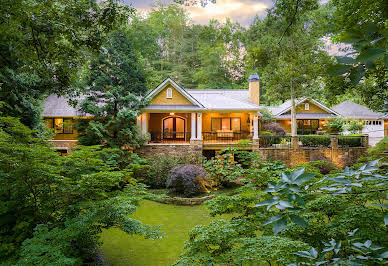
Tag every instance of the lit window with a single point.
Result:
(169, 93)
(58, 125)
(307, 106)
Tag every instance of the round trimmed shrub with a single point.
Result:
(187, 180)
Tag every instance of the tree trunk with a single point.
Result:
(293, 111)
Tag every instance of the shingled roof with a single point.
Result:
(350, 109)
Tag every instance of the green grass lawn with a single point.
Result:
(122, 249)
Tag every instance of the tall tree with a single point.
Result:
(287, 51)
(44, 43)
(115, 91)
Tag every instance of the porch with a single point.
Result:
(206, 128)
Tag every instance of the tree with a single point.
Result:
(43, 45)
(116, 91)
(53, 207)
(287, 51)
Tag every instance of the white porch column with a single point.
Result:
(255, 127)
(138, 122)
(193, 126)
(144, 122)
(199, 126)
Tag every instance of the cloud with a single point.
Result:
(237, 10)
(242, 11)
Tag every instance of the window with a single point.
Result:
(169, 93)
(60, 125)
(307, 106)
(226, 123)
(307, 126)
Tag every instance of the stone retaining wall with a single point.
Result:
(185, 201)
(169, 149)
(341, 157)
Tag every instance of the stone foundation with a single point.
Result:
(67, 145)
(340, 157)
(169, 149)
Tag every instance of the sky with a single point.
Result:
(241, 11)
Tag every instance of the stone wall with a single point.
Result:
(341, 157)
(169, 149)
(67, 145)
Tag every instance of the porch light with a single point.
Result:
(172, 113)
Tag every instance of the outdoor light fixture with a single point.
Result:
(172, 113)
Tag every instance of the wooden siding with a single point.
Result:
(177, 97)
(313, 108)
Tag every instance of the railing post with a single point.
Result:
(295, 142)
(365, 141)
(334, 142)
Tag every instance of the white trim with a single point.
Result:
(193, 126)
(199, 126)
(177, 87)
(169, 93)
(327, 109)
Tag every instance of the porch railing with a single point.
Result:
(225, 137)
(170, 137)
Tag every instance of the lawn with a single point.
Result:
(121, 249)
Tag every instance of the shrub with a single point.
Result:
(267, 116)
(154, 171)
(324, 167)
(315, 140)
(223, 169)
(187, 180)
(335, 125)
(349, 141)
(354, 126)
(265, 133)
(275, 128)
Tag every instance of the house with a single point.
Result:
(375, 123)
(311, 115)
(206, 119)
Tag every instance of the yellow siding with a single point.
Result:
(313, 108)
(177, 97)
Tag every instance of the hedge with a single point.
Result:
(315, 140)
(349, 141)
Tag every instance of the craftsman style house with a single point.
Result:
(212, 118)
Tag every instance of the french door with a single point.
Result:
(174, 128)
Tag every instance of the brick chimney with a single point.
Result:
(254, 89)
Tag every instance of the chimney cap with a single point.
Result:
(254, 77)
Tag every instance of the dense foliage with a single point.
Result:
(53, 207)
(188, 180)
(303, 208)
(115, 94)
(43, 45)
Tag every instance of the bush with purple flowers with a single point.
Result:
(187, 180)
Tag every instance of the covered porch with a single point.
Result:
(199, 127)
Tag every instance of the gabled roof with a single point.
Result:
(224, 100)
(169, 81)
(350, 109)
(286, 106)
(58, 106)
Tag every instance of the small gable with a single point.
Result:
(170, 96)
(309, 107)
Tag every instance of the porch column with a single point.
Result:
(144, 122)
(193, 126)
(255, 127)
(138, 122)
(199, 126)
